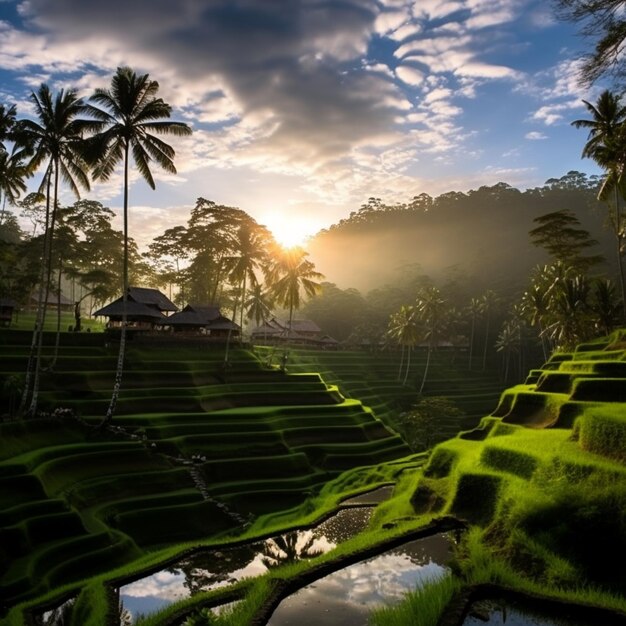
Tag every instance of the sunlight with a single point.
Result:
(290, 230)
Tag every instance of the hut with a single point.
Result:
(145, 309)
(203, 320)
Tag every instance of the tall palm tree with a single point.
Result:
(606, 145)
(250, 255)
(128, 117)
(291, 274)
(13, 170)
(258, 306)
(405, 330)
(488, 302)
(474, 309)
(433, 314)
(56, 139)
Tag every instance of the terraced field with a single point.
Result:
(197, 450)
(544, 476)
(373, 379)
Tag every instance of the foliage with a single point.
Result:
(422, 607)
(421, 426)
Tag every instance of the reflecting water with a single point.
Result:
(348, 595)
(516, 613)
(211, 569)
(372, 497)
(61, 614)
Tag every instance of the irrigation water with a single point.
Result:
(210, 569)
(348, 595)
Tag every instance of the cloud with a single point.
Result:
(535, 136)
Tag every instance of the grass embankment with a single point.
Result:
(541, 482)
(373, 379)
(203, 450)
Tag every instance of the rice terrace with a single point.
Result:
(278, 344)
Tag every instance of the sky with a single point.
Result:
(303, 109)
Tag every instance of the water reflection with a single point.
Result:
(372, 497)
(348, 595)
(517, 613)
(211, 569)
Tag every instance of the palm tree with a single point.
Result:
(488, 303)
(251, 253)
(535, 309)
(606, 145)
(258, 305)
(433, 313)
(404, 329)
(128, 118)
(508, 342)
(57, 139)
(474, 309)
(603, 305)
(13, 171)
(291, 274)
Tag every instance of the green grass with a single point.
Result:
(421, 607)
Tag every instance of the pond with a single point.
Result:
(210, 569)
(348, 595)
(375, 496)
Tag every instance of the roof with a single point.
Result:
(53, 298)
(133, 310)
(196, 315)
(152, 297)
(224, 324)
(305, 326)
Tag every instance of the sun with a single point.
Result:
(290, 230)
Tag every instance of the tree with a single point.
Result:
(290, 275)
(422, 426)
(488, 303)
(604, 22)
(56, 138)
(433, 313)
(405, 330)
(606, 145)
(258, 306)
(562, 236)
(129, 116)
(13, 171)
(508, 342)
(474, 309)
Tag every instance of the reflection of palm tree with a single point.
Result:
(289, 548)
(59, 616)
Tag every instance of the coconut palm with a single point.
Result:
(258, 306)
(432, 311)
(488, 303)
(474, 308)
(604, 305)
(128, 117)
(13, 173)
(535, 309)
(290, 275)
(508, 342)
(55, 138)
(404, 329)
(606, 145)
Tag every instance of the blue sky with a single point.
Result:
(303, 109)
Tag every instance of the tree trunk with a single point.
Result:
(408, 365)
(620, 264)
(425, 370)
(486, 344)
(119, 370)
(471, 346)
(32, 409)
(401, 361)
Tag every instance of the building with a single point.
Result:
(145, 309)
(7, 306)
(203, 320)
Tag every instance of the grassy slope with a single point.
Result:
(542, 483)
(76, 502)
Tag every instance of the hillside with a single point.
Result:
(483, 233)
(201, 449)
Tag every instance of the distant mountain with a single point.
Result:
(483, 234)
